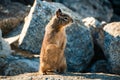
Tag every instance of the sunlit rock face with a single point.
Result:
(112, 45)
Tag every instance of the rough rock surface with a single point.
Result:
(21, 66)
(67, 76)
(13, 65)
(100, 66)
(101, 10)
(11, 15)
(112, 45)
(79, 49)
(5, 49)
(3, 62)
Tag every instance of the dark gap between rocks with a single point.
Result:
(98, 55)
(25, 2)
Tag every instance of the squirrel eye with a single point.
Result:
(65, 18)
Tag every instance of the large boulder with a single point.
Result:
(99, 9)
(112, 45)
(79, 49)
(11, 15)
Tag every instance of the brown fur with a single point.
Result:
(52, 56)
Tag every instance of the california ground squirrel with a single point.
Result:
(52, 58)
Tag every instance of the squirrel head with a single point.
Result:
(62, 18)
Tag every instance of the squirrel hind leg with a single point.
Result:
(61, 70)
(47, 72)
(42, 70)
(51, 73)
(62, 67)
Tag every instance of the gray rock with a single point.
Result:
(21, 66)
(99, 9)
(11, 15)
(107, 39)
(79, 49)
(5, 52)
(112, 45)
(100, 66)
(13, 36)
(5, 49)
(3, 62)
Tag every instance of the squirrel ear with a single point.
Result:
(58, 12)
